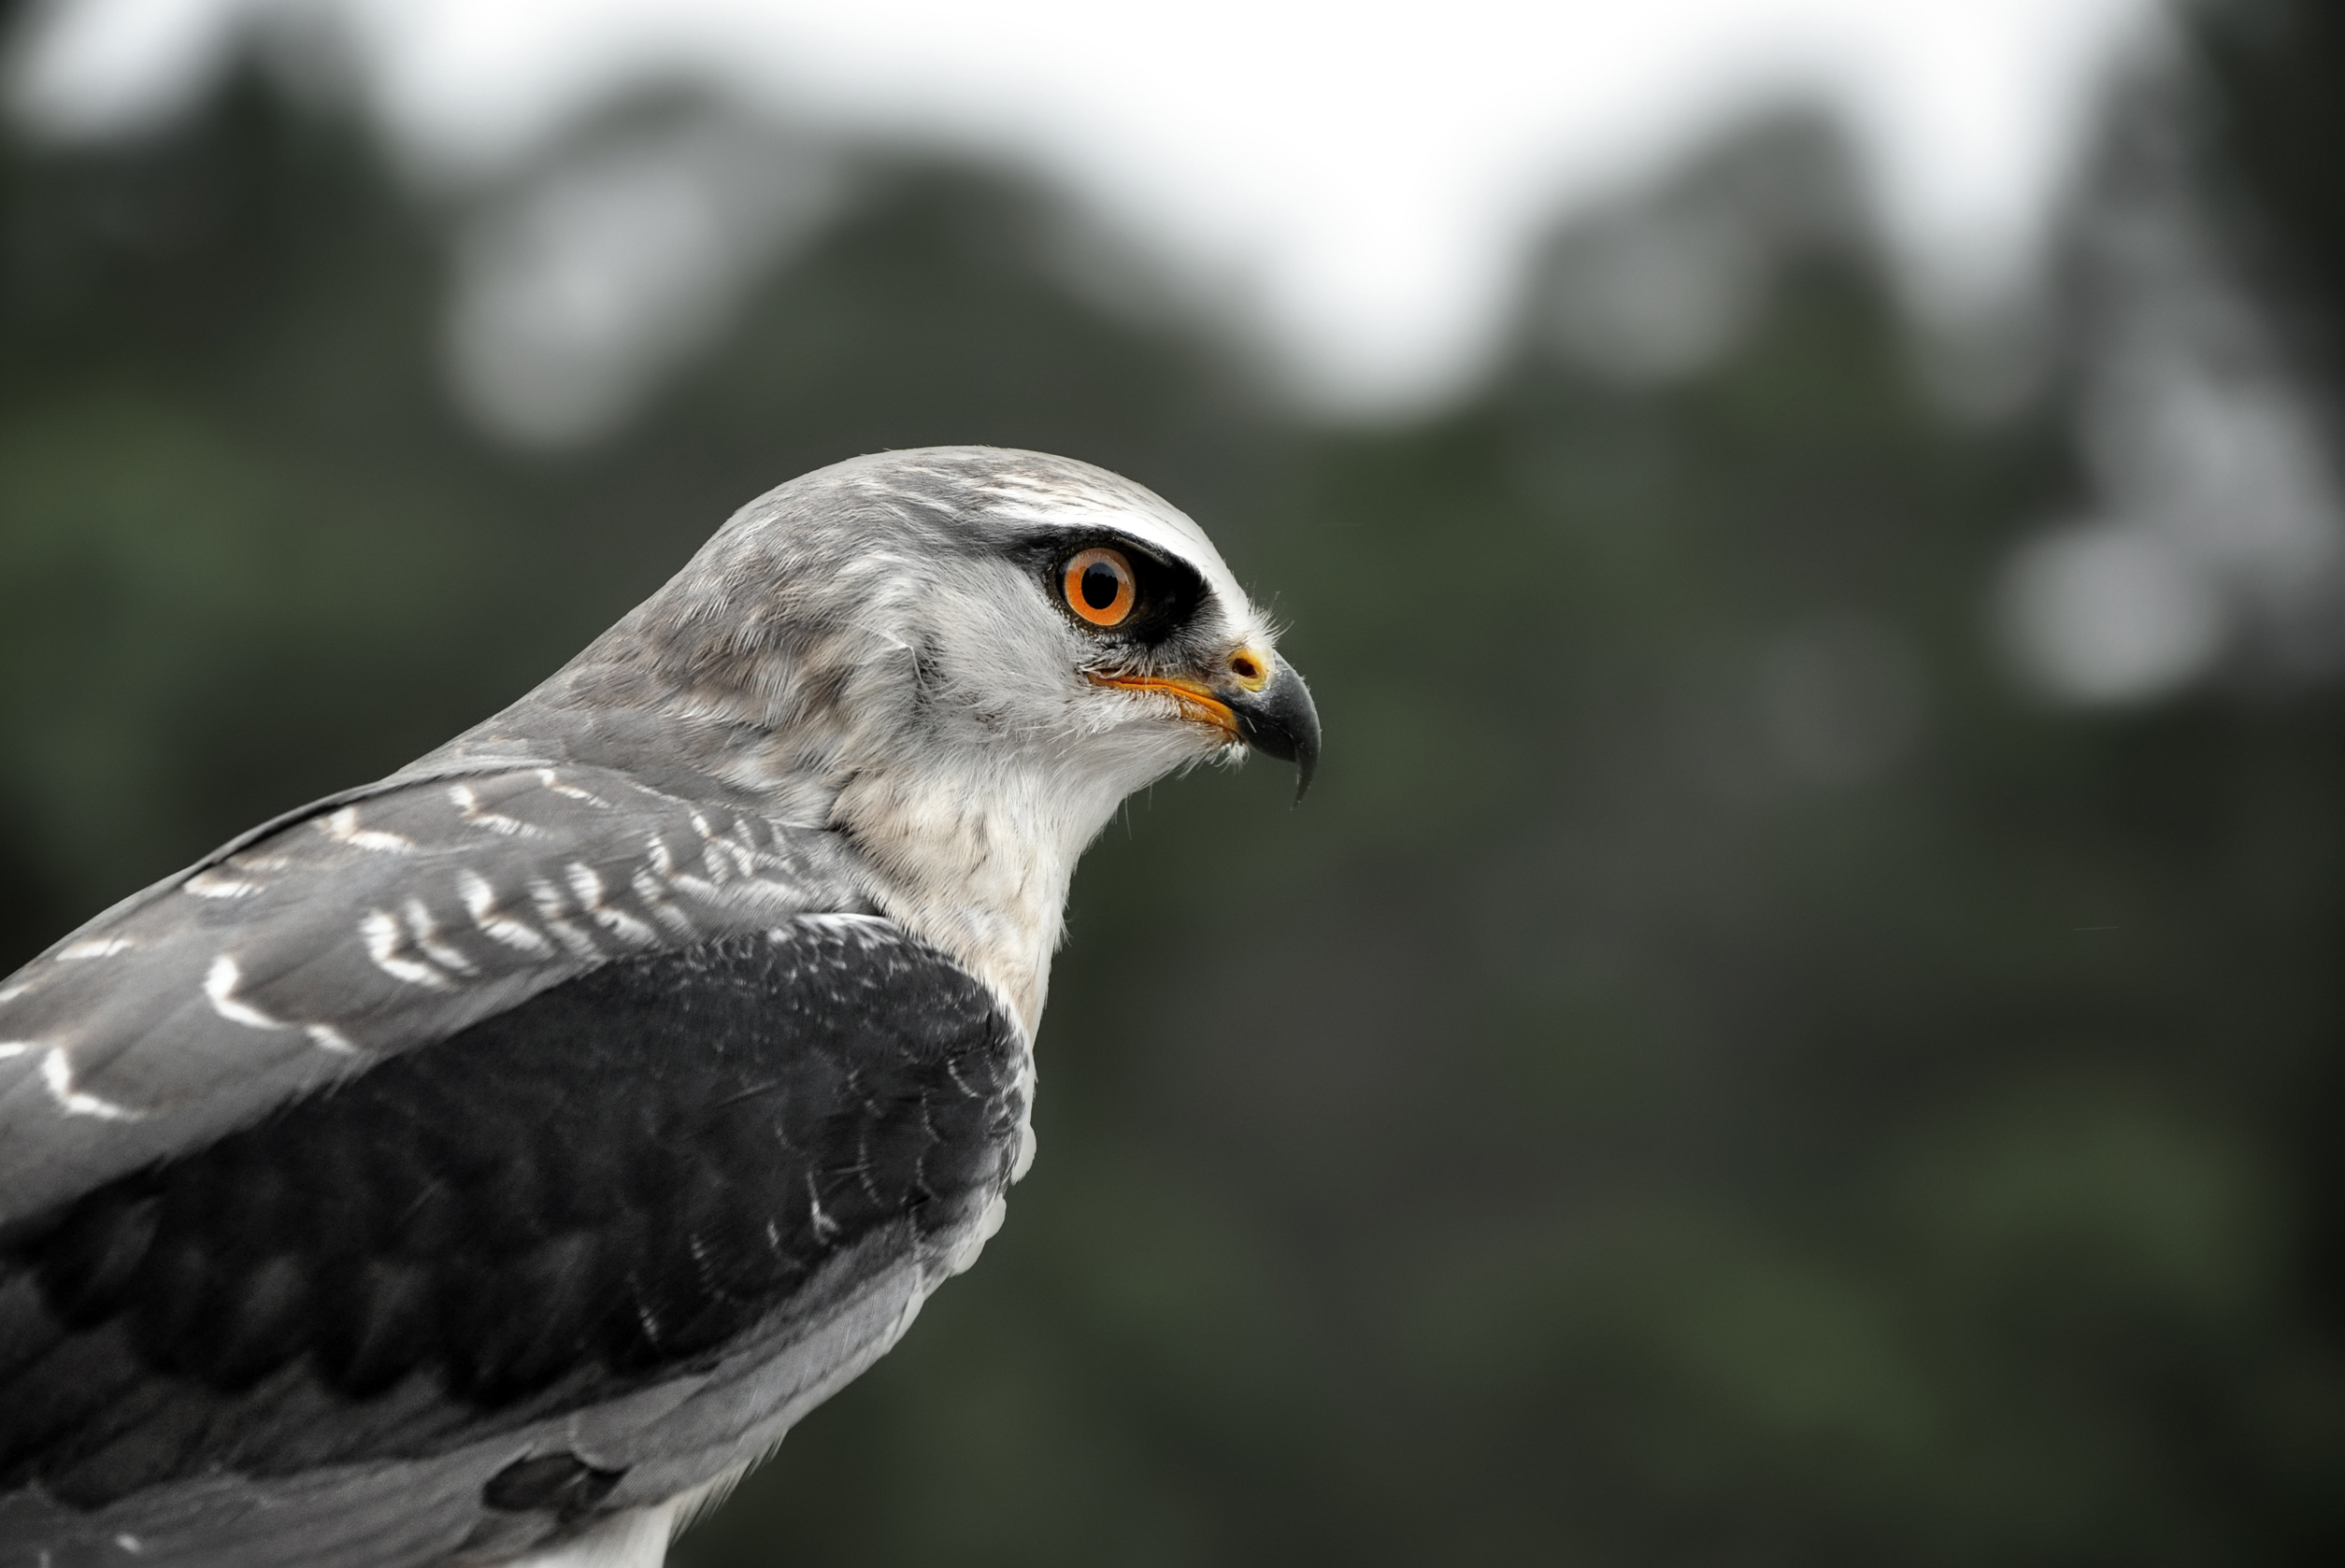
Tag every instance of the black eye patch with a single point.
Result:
(1166, 593)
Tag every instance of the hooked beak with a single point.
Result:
(1281, 720)
(1259, 701)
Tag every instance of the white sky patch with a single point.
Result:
(1359, 179)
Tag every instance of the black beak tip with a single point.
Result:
(1281, 721)
(1306, 760)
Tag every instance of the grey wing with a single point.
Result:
(352, 931)
(586, 1257)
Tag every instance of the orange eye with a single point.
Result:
(1100, 586)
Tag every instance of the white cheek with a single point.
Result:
(1148, 738)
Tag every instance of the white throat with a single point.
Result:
(978, 859)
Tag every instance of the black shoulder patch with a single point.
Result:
(614, 1179)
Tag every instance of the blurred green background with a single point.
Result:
(1724, 1070)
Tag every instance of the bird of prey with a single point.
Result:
(488, 1164)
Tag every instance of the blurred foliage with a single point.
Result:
(2277, 121)
(1713, 1076)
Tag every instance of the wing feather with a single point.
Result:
(586, 1255)
(351, 931)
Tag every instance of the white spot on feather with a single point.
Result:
(741, 857)
(16, 1047)
(868, 929)
(480, 903)
(552, 911)
(425, 931)
(469, 806)
(696, 887)
(326, 1038)
(220, 986)
(96, 946)
(213, 883)
(57, 1074)
(762, 859)
(654, 898)
(553, 781)
(773, 897)
(586, 885)
(386, 945)
(728, 883)
(342, 827)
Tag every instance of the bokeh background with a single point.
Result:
(1802, 1023)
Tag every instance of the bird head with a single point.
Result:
(911, 633)
(1067, 615)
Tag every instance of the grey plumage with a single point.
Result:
(869, 699)
(395, 917)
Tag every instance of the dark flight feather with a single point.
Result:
(613, 1183)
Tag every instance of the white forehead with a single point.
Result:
(1082, 502)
